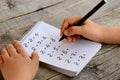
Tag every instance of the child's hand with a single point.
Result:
(89, 29)
(16, 63)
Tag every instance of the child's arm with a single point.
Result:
(89, 30)
(16, 64)
(111, 35)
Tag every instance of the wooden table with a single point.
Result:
(18, 16)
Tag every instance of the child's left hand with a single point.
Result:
(16, 64)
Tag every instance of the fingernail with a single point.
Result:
(35, 51)
(14, 41)
(3, 50)
(66, 32)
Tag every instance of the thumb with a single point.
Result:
(35, 56)
(74, 30)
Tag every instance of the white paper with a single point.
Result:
(65, 55)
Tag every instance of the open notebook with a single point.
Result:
(65, 57)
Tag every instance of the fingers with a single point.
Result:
(4, 54)
(74, 30)
(73, 38)
(8, 52)
(65, 25)
(73, 33)
(19, 48)
(11, 50)
(69, 22)
(35, 56)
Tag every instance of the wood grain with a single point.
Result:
(18, 16)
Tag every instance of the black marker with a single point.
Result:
(88, 15)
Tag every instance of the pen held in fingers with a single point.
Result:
(88, 15)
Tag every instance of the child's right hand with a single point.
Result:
(89, 29)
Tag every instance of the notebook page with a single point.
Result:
(69, 56)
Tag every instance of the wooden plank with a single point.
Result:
(105, 65)
(55, 19)
(14, 8)
(82, 7)
(21, 22)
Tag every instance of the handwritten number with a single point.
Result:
(33, 48)
(53, 40)
(44, 37)
(73, 54)
(68, 61)
(47, 45)
(59, 58)
(56, 49)
(65, 52)
(82, 57)
(36, 34)
(30, 40)
(39, 42)
(43, 52)
(26, 45)
(76, 63)
(50, 55)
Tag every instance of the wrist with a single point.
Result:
(103, 34)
